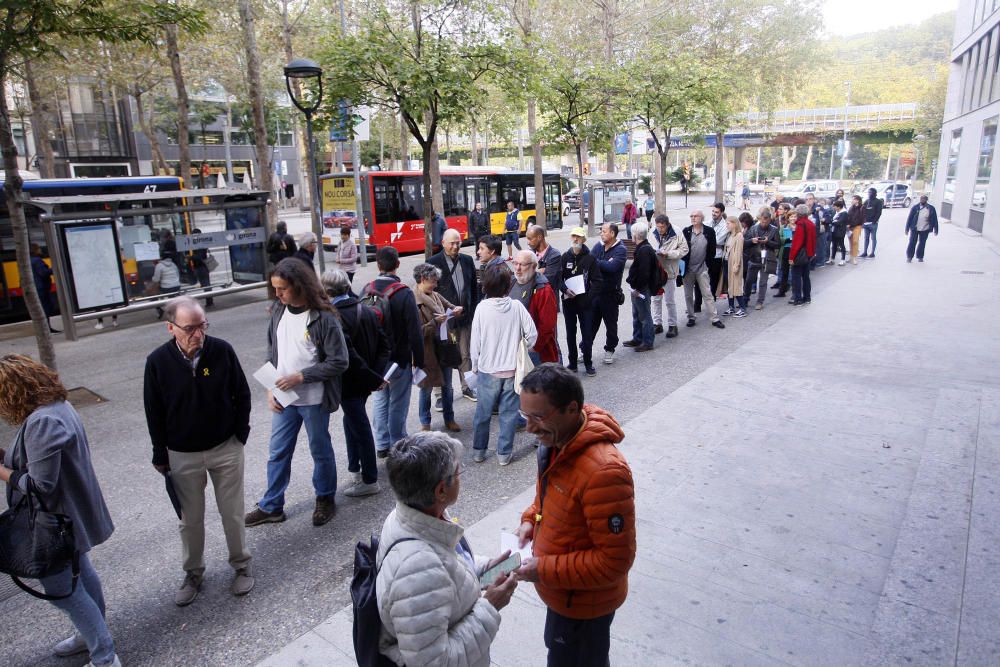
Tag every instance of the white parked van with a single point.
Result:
(820, 189)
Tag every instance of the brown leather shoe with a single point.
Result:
(325, 509)
(453, 427)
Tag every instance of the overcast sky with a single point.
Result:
(847, 17)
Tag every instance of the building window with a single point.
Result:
(949, 182)
(19, 142)
(985, 167)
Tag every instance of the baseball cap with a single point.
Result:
(578, 231)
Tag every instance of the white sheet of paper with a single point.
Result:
(443, 329)
(145, 252)
(418, 375)
(390, 371)
(509, 541)
(267, 375)
(577, 284)
(471, 379)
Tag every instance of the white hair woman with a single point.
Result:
(732, 269)
(433, 609)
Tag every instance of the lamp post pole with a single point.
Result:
(843, 154)
(359, 212)
(303, 68)
(317, 225)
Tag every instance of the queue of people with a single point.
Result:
(331, 349)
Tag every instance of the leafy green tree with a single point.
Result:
(33, 30)
(427, 65)
(575, 99)
(679, 93)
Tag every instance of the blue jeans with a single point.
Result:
(285, 427)
(447, 400)
(360, 442)
(871, 234)
(490, 392)
(390, 409)
(822, 249)
(642, 318)
(85, 608)
(801, 284)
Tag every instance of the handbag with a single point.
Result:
(211, 263)
(801, 258)
(447, 352)
(523, 366)
(36, 543)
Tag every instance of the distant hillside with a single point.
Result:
(884, 66)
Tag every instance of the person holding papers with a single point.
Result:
(580, 279)
(435, 311)
(436, 605)
(198, 413)
(305, 343)
(582, 521)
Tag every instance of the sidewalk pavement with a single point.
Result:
(825, 494)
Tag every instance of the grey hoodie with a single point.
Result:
(497, 328)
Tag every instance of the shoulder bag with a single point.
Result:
(35, 542)
(524, 364)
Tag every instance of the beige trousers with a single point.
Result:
(190, 472)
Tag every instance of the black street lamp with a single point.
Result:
(304, 69)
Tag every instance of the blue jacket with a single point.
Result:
(611, 262)
(911, 220)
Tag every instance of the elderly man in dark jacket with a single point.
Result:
(919, 224)
(458, 286)
(760, 248)
(701, 246)
(577, 261)
(643, 278)
(368, 354)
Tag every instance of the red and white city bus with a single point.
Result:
(392, 203)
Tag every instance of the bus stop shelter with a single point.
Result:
(103, 247)
(607, 194)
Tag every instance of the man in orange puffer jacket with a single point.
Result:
(582, 521)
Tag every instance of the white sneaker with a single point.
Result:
(99, 325)
(114, 322)
(114, 663)
(361, 489)
(609, 357)
(70, 646)
(840, 263)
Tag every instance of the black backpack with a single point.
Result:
(378, 300)
(367, 622)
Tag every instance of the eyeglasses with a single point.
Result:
(536, 419)
(191, 328)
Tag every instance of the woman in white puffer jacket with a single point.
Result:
(429, 597)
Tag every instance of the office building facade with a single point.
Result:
(967, 186)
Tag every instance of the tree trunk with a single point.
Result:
(428, 227)
(40, 125)
(19, 228)
(159, 163)
(661, 180)
(227, 141)
(183, 140)
(261, 148)
(437, 193)
(302, 152)
(720, 166)
(447, 147)
(536, 158)
(805, 168)
(404, 144)
(475, 146)
(584, 210)
(787, 158)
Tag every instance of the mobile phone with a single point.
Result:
(500, 569)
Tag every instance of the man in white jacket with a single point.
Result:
(499, 325)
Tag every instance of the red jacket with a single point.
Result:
(544, 314)
(805, 233)
(585, 522)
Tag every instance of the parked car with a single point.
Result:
(892, 193)
(819, 189)
(571, 201)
